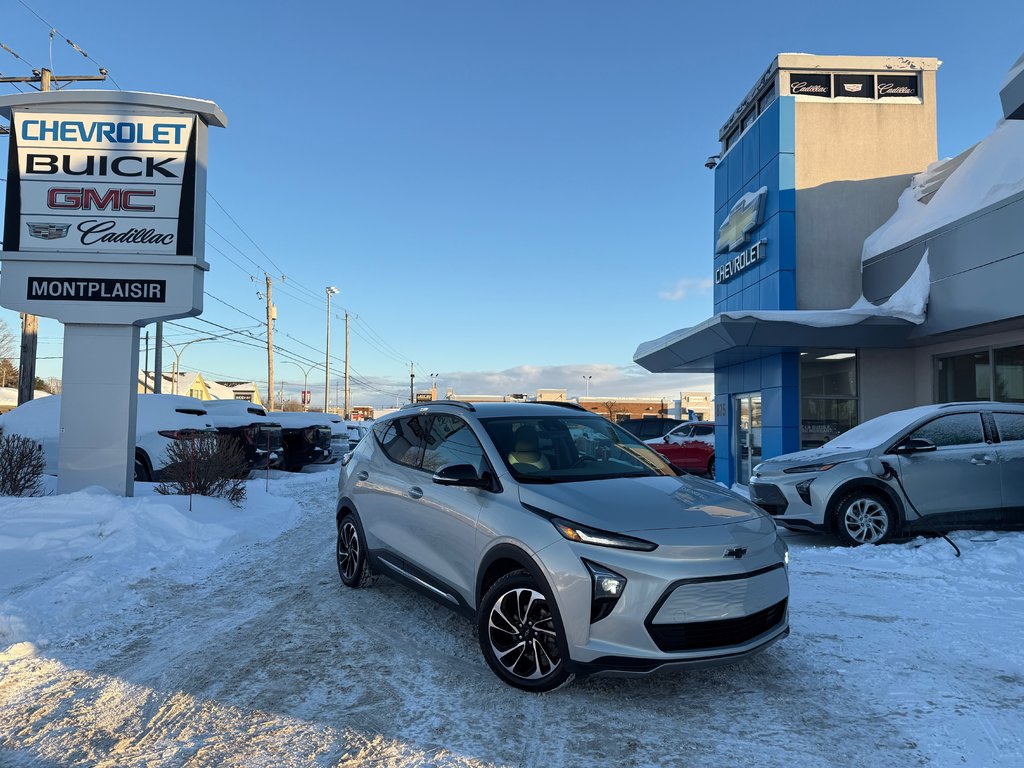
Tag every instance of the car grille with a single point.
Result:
(723, 633)
(769, 498)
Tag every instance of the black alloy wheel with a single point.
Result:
(521, 638)
(353, 567)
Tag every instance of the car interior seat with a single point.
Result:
(526, 450)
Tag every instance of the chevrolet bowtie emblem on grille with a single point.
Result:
(48, 231)
(736, 552)
(742, 220)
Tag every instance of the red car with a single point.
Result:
(690, 446)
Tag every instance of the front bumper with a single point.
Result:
(678, 609)
(780, 498)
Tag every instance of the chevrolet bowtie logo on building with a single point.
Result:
(48, 231)
(741, 222)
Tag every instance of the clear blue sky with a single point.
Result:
(512, 194)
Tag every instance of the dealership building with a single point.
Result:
(854, 274)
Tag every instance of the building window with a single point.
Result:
(766, 98)
(828, 395)
(991, 374)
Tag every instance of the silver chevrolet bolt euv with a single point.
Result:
(575, 547)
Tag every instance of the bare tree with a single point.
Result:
(612, 407)
(9, 351)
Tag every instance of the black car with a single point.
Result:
(259, 436)
(646, 429)
(306, 439)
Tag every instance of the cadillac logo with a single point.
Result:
(742, 220)
(48, 231)
(735, 552)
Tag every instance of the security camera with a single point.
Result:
(711, 162)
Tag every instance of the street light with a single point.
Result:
(305, 380)
(587, 379)
(177, 360)
(331, 291)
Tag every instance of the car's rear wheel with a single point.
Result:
(520, 636)
(864, 517)
(143, 474)
(711, 468)
(353, 567)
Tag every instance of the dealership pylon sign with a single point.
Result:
(104, 230)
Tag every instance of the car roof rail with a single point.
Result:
(457, 403)
(563, 404)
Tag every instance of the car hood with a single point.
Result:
(814, 456)
(637, 504)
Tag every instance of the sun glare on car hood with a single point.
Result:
(634, 504)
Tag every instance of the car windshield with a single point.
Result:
(570, 448)
(876, 431)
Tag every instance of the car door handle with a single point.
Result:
(416, 492)
(364, 475)
(981, 461)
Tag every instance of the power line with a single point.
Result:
(75, 46)
(242, 230)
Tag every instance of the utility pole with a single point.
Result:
(412, 382)
(158, 360)
(348, 413)
(30, 323)
(331, 291)
(145, 368)
(271, 314)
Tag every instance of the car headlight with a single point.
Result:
(810, 468)
(607, 587)
(585, 535)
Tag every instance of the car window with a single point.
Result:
(703, 431)
(952, 429)
(572, 448)
(683, 431)
(451, 441)
(1010, 425)
(403, 439)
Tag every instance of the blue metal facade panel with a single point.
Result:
(763, 157)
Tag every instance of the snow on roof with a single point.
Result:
(993, 171)
(220, 392)
(908, 303)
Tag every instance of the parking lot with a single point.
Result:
(899, 655)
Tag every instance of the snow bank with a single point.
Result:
(993, 171)
(74, 552)
(9, 396)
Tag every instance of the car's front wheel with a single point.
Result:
(864, 517)
(353, 567)
(520, 636)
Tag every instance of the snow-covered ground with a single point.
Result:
(134, 632)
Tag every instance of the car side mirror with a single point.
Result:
(463, 475)
(665, 439)
(915, 445)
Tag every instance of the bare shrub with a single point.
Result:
(205, 465)
(21, 466)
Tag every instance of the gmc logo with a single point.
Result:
(88, 199)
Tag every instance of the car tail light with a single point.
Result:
(178, 434)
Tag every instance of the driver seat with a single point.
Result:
(526, 452)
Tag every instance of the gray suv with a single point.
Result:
(575, 547)
(931, 468)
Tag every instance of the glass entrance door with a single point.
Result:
(747, 435)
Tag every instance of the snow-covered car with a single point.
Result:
(930, 468)
(259, 436)
(306, 438)
(161, 419)
(355, 430)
